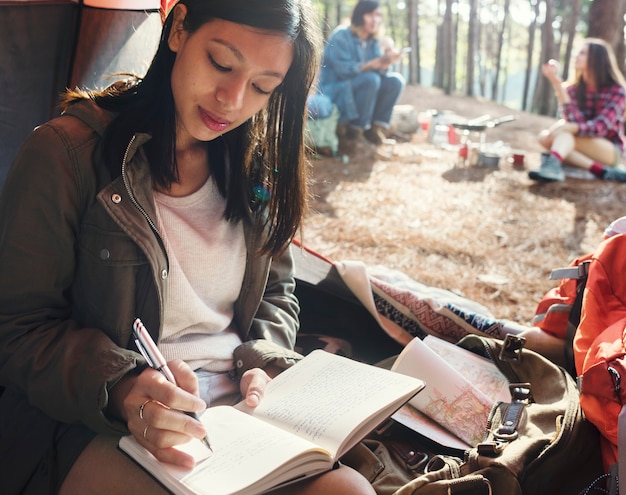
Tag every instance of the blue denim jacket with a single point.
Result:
(344, 54)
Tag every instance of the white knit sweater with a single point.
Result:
(207, 259)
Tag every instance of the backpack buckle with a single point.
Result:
(512, 348)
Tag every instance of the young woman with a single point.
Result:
(171, 197)
(591, 134)
(356, 78)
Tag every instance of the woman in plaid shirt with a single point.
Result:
(591, 133)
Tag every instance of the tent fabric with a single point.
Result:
(34, 64)
(124, 4)
(113, 41)
(49, 45)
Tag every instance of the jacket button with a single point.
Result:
(116, 198)
(163, 274)
(105, 254)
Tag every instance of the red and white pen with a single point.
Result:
(155, 360)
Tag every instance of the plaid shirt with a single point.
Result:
(602, 116)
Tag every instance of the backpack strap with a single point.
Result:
(577, 272)
(582, 272)
(621, 450)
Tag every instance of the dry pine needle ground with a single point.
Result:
(487, 233)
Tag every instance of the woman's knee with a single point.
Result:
(545, 139)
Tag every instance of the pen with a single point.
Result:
(155, 360)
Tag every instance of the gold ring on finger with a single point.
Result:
(145, 433)
(144, 405)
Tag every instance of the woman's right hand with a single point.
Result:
(152, 408)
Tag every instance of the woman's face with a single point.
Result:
(224, 73)
(580, 63)
(372, 21)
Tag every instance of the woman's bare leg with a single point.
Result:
(597, 150)
(581, 152)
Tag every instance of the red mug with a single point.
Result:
(518, 159)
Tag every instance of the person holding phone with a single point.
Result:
(355, 75)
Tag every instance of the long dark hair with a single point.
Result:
(602, 69)
(267, 163)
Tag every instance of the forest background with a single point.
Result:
(491, 48)
(489, 234)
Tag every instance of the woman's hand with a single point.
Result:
(153, 410)
(552, 70)
(252, 386)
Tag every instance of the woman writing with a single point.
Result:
(171, 197)
(591, 134)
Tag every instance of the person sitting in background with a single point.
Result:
(591, 133)
(355, 75)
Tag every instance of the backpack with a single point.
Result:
(557, 308)
(539, 444)
(554, 449)
(558, 311)
(321, 127)
(601, 395)
(599, 345)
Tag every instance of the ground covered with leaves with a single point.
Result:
(489, 234)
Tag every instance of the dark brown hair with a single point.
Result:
(267, 169)
(602, 69)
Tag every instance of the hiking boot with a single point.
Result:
(613, 173)
(354, 133)
(550, 170)
(342, 129)
(375, 135)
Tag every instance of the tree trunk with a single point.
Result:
(472, 33)
(447, 48)
(532, 29)
(573, 17)
(498, 55)
(438, 73)
(544, 102)
(606, 21)
(413, 29)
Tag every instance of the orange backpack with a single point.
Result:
(600, 344)
(557, 308)
(602, 395)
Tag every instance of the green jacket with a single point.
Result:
(81, 257)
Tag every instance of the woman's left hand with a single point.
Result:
(252, 386)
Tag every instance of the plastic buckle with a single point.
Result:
(491, 449)
(520, 392)
(583, 269)
(512, 348)
(418, 461)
